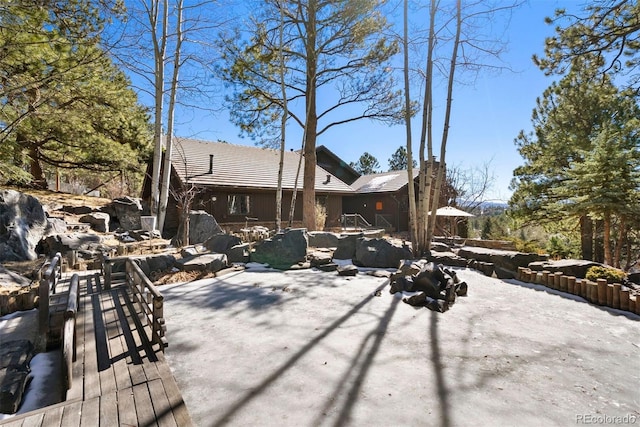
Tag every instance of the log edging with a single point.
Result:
(599, 292)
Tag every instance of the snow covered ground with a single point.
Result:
(44, 386)
(271, 348)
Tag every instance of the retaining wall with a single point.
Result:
(599, 292)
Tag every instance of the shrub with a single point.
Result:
(321, 216)
(561, 246)
(527, 246)
(613, 275)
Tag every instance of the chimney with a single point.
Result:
(210, 163)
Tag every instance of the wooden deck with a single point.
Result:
(119, 378)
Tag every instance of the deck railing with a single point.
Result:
(354, 221)
(144, 293)
(69, 337)
(48, 283)
(150, 301)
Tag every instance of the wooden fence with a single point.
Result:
(599, 292)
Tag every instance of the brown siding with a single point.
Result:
(393, 208)
(261, 206)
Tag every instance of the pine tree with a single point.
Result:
(366, 164)
(399, 160)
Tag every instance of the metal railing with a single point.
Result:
(353, 221)
(383, 222)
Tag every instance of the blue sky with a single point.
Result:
(487, 114)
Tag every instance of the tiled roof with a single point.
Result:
(240, 166)
(381, 182)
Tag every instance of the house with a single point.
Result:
(382, 199)
(237, 185)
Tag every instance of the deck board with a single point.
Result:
(127, 408)
(144, 407)
(119, 377)
(71, 414)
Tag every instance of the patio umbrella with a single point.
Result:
(451, 211)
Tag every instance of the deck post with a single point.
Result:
(106, 268)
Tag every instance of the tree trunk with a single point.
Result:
(413, 231)
(598, 244)
(38, 179)
(283, 125)
(159, 49)
(425, 179)
(311, 124)
(166, 172)
(445, 129)
(292, 208)
(619, 242)
(586, 237)
(606, 231)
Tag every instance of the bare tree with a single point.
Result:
(167, 45)
(337, 49)
(470, 185)
(456, 32)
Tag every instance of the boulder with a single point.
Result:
(346, 248)
(286, 248)
(128, 211)
(409, 267)
(140, 235)
(570, 267)
(159, 262)
(440, 247)
(448, 258)
(202, 226)
(147, 263)
(22, 224)
(221, 242)
(380, 253)
(327, 267)
(55, 226)
(347, 270)
(64, 243)
(76, 210)
(193, 250)
(505, 260)
(502, 273)
(323, 239)
(239, 253)
(99, 221)
(318, 257)
(205, 262)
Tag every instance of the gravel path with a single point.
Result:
(304, 348)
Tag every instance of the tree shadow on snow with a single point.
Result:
(360, 364)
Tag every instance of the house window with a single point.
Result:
(238, 204)
(378, 206)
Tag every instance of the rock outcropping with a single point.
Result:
(22, 224)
